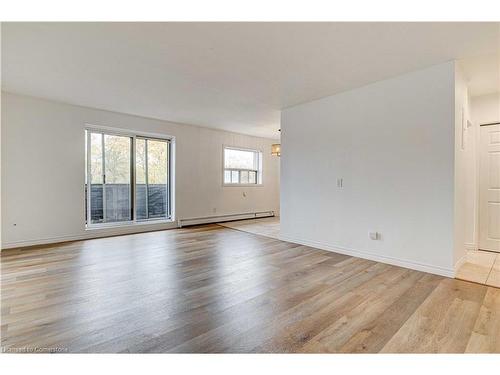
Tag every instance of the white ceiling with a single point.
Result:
(232, 76)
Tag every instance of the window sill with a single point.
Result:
(242, 185)
(127, 224)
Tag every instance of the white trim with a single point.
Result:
(241, 148)
(470, 246)
(242, 185)
(89, 128)
(94, 233)
(459, 264)
(437, 270)
(260, 167)
(129, 223)
(127, 132)
(141, 227)
(222, 218)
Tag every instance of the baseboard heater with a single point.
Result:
(220, 218)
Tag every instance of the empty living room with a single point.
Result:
(226, 184)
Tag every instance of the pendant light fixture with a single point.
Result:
(276, 148)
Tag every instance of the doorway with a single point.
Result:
(489, 188)
(482, 265)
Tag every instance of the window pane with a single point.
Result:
(140, 161)
(239, 159)
(252, 178)
(117, 150)
(234, 177)
(96, 158)
(96, 187)
(157, 158)
(244, 177)
(227, 177)
(117, 163)
(140, 178)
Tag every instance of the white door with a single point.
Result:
(489, 189)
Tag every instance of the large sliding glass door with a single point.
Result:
(152, 157)
(127, 178)
(95, 174)
(109, 171)
(117, 178)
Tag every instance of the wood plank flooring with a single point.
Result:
(268, 227)
(211, 289)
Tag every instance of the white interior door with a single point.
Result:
(489, 189)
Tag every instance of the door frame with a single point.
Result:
(478, 186)
(171, 177)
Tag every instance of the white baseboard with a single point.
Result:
(441, 271)
(91, 234)
(459, 263)
(131, 229)
(223, 218)
(470, 246)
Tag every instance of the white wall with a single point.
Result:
(43, 170)
(486, 109)
(393, 144)
(465, 172)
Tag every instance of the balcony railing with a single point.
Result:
(150, 202)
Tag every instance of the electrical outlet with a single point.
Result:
(340, 183)
(374, 235)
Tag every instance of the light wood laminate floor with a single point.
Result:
(269, 226)
(213, 289)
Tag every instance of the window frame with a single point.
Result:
(259, 171)
(88, 129)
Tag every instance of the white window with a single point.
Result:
(242, 167)
(127, 178)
